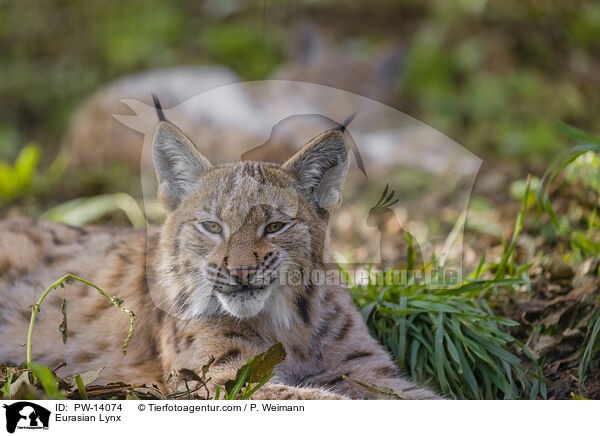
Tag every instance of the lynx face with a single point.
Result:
(237, 234)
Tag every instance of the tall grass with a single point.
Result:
(580, 239)
(450, 337)
(591, 347)
(585, 240)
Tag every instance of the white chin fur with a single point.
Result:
(244, 307)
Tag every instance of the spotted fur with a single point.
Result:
(198, 293)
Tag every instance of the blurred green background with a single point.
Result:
(494, 76)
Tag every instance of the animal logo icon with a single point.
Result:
(24, 414)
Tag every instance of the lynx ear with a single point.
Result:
(178, 164)
(321, 167)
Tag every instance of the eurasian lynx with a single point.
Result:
(218, 265)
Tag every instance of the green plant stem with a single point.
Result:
(80, 387)
(61, 282)
(251, 390)
(240, 382)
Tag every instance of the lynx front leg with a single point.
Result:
(270, 391)
(372, 383)
(369, 371)
(355, 364)
(402, 387)
(186, 345)
(219, 375)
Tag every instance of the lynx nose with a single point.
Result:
(242, 273)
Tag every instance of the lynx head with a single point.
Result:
(236, 233)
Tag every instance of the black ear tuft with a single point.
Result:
(342, 127)
(159, 109)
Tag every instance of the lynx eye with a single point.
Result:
(212, 227)
(274, 227)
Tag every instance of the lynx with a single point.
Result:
(213, 280)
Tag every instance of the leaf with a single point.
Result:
(62, 328)
(47, 379)
(87, 377)
(590, 348)
(263, 365)
(148, 393)
(439, 354)
(188, 375)
(233, 387)
(402, 330)
(257, 369)
(576, 134)
(367, 311)
(507, 255)
(248, 392)
(374, 389)
(25, 165)
(14, 387)
(206, 367)
(15, 181)
(552, 172)
(82, 211)
(80, 387)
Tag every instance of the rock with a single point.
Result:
(95, 138)
(232, 128)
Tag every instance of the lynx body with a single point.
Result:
(214, 280)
